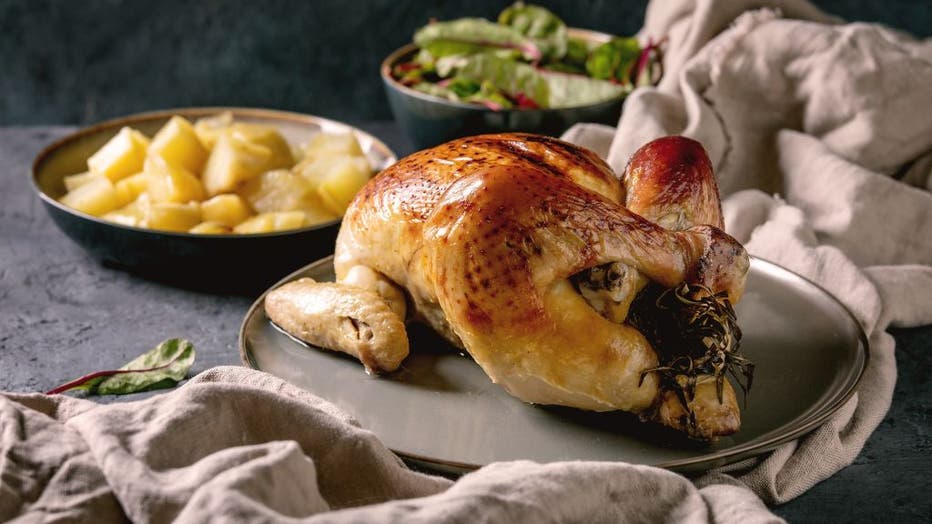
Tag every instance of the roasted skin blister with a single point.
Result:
(556, 277)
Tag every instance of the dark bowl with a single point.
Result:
(431, 120)
(236, 263)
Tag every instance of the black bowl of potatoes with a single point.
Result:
(221, 199)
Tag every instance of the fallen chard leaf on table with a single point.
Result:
(161, 367)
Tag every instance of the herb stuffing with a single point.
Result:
(525, 60)
(695, 333)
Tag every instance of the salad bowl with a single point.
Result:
(429, 120)
(526, 71)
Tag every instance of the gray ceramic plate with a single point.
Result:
(441, 411)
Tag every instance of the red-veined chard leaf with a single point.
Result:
(539, 24)
(614, 60)
(569, 90)
(163, 366)
(545, 88)
(506, 76)
(456, 36)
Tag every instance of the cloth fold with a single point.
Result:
(234, 444)
(822, 145)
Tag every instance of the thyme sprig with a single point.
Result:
(695, 333)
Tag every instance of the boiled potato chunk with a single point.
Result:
(73, 181)
(318, 215)
(210, 128)
(132, 186)
(280, 190)
(122, 156)
(124, 219)
(211, 228)
(95, 197)
(316, 169)
(332, 144)
(132, 214)
(232, 162)
(173, 216)
(342, 182)
(170, 183)
(227, 210)
(178, 144)
(269, 137)
(271, 222)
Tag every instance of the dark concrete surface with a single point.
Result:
(63, 314)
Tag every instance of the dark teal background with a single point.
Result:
(76, 62)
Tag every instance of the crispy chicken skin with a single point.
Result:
(485, 236)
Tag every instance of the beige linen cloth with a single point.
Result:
(821, 136)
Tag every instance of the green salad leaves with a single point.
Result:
(540, 25)
(161, 367)
(525, 60)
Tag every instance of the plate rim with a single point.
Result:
(702, 462)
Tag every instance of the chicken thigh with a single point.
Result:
(565, 284)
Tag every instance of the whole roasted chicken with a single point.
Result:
(566, 285)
